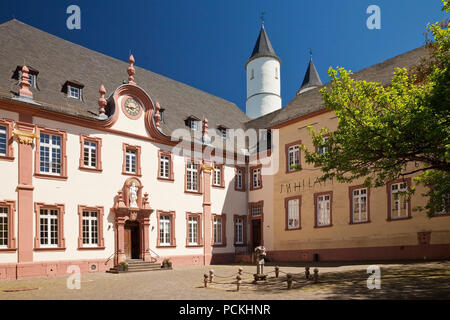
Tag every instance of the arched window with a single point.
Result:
(276, 73)
(252, 76)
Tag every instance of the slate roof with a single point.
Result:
(312, 78)
(58, 61)
(263, 47)
(311, 100)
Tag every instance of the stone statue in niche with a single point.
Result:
(133, 195)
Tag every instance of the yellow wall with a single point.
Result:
(379, 232)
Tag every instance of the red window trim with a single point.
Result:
(317, 194)
(9, 124)
(350, 197)
(138, 173)
(244, 230)
(388, 190)
(237, 168)
(199, 231)
(286, 212)
(223, 217)
(199, 172)
(171, 176)
(11, 205)
(37, 170)
(222, 178)
(286, 154)
(100, 214)
(173, 241)
(259, 166)
(98, 141)
(61, 211)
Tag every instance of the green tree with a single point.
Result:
(387, 132)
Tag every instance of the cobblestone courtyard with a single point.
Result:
(398, 281)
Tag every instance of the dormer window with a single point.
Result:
(193, 123)
(32, 76)
(161, 113)
(73, 89)
(222, 131)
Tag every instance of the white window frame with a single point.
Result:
(323, 210)
(400, 187)
(256, 213)
(165, 230)
(217, 176)
(73, 92)
(90, 154)
(164, 166)
(323, 150)
(239, 230)
(293, 218)
(193, 231)
(192, 178)
(256, 178)
(239, 175)
(92, 228)
(4, 227)
(131, 160)
(52, 147)
(51, 217)
(4, 131)
(193, 124)
(358, 195)
(217, 230)
(293, 157)
(223, 132)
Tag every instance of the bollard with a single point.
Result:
(205, 280)
(316, 275)
(211, 275)
(238, 282)
(289, 281)
(307, 273)
(240, 271)
(277, 271)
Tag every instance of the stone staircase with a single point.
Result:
(137, 265)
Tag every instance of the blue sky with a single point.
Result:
(205, 43)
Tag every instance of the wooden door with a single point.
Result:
(256, 233)
(127, 243)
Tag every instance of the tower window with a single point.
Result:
(252, 76)
(276, 73)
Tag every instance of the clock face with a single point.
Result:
(132, 107)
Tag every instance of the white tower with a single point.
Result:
(263, 78)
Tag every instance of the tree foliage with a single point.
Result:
(387, 132)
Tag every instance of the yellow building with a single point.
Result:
(308, 220)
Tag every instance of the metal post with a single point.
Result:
(205, 280)
(277, 271)
(316, 275)
(211, 275)
(238, 282)
(307, 273)
(289, 281)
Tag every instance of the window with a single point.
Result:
(445, 205)
(74, 92)
(161, 113)
(239, 230)
(256, 209)
(192, 177)
(239, 183)
(91, 228)
(194, 125)
(3, 140)
(276, 73)
(218, 176)
(7, 239)
(222, 131)
(292, 153)
(164, 230)
(256, 178)
(32, 80)
(4, 227)
(90, 158)
(50, 154)
(194, 233)
(49, 226)
(398, 200)
(323, 150)
(6, 145)
(165, 170)
(323, 209)
(51, 159)
(252, 75)
(359, 204)
(217, 230)
(131, 160)
(292, 207)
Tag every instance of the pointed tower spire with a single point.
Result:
(311, 79)
(131, 71)
(263, 47)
